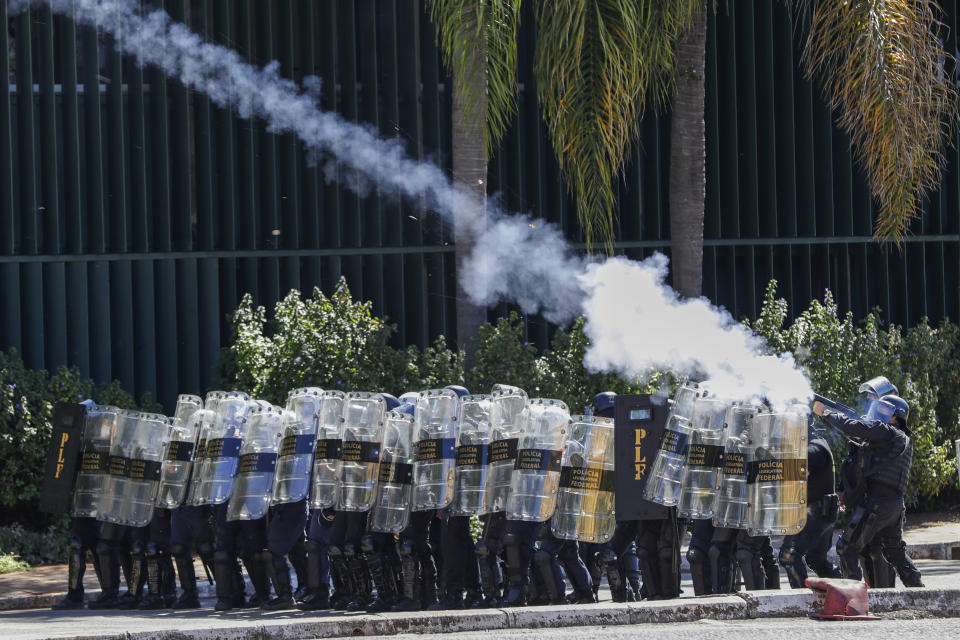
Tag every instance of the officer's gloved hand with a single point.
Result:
(842, 599)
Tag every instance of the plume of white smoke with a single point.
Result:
(636, 323)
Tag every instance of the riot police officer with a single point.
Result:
(887, 472)
(807, 547)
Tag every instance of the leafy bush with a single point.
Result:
(839, 353)
(333, 343)
(48, 545)
(11, 563)
(27, 399)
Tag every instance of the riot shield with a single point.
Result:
(359, 466)
(63, 461)
(136, 454)
(585, 508)
(95, 463)
(639, 423)
(433, 449)
(257, 464)
(224, 437)
(208, 423)
(327, 453)
(473, 442)
(179, 456)
(507, 405)
(391, 507)
(536, 472)
(732, 502)
(663, 485)
(296, 450)
(777, 473)
(704, 457)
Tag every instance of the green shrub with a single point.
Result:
(839, 353)
(44, 546)
(27, 399)
(332, 343)
(11, 563)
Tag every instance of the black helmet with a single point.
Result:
(876, 388)
(603, 403)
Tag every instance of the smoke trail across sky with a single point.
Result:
(636, 323)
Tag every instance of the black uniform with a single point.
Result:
(810, 546)
(886, 471)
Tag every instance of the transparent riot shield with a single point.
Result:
(257, 465)
(391, 507)
(732, 503)
(94, 471)
(473, 443)
(362, 434)
(179, 456)
(222, 449)
(434, 448)
(296, 450)
(507, 405)
(585, 509)
(208, 422)
(136, 453)
(698, 488)
(777, 473)
(666, 475)
(325, 483)
(536, 472)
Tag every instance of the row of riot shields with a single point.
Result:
(740, 464)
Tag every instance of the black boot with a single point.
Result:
(409, 599)
(190, 598)
(428, 579)
(154, 599)
(75, 570)
(385, 582)
(362, 582)
(256, 565)
(318, 592)
(280, 576)
(518, 573)
(224, 568)
(344, 589)
(109, 577)
(137, 580)
(298, 559)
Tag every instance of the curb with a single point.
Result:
(798, 603)
(47, 600)
(934, 551)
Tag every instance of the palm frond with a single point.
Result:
(478, 41)
(885, 73)
(597, 64)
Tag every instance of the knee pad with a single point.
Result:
(714, 553)
(335, 551)
(481, 549)
(785, 557)
(76, 544)
(367, 545)
(136, 548)
(542, 558)
(744, 555)
(876, 553)
(152, 549)
(408, 548)
(695, 556)
(349, 550)
(607, 558)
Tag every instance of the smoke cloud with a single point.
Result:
(636, 323)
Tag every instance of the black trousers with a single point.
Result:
(881, 520)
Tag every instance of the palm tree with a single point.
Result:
(886, 74)
(478, 40)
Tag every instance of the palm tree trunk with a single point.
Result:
(688, 183)
(470, 172)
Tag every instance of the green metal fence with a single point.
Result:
(131, 225)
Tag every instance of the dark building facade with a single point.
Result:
(131, 224)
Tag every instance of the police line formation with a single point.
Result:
(374, 495)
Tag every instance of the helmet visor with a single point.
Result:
(881, 410)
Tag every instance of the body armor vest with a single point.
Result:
(889, 463)
(822, 480)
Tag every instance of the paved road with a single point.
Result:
(885, 629)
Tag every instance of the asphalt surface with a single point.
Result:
(903, 626)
